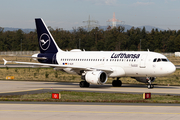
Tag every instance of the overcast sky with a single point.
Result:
(67, 14)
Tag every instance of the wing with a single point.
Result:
(60, 66)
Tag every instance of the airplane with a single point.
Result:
(96, 66)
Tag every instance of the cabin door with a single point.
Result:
(143, 61)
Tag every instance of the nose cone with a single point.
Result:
(171, 68)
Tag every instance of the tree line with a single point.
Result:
(111, 39)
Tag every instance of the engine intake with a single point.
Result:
(96, 77)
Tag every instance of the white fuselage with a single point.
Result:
(122, 63)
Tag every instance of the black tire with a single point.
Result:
(116, 83)
(119, 83)
(81, 84)
(149, 86)
(84, 84)
(152, 86)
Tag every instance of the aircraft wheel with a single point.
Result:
(150, 86)
(116, 83)
(87, 84)
(81, 84)
(84, 84)
(119, 83)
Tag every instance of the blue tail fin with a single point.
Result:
(46, 42)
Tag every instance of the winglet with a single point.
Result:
(5, 61)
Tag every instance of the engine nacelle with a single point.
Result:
(145, 79)
(96, 77)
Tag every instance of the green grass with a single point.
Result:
(71, 96)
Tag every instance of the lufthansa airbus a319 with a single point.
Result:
(96, 66)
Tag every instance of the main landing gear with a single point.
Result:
(116, 83)
(84, 84)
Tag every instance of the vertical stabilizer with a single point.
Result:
(46, 42)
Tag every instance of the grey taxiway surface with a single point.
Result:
(23, 87)
(87, 111)
(81, 111)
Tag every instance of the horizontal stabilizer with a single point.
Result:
(5, 61)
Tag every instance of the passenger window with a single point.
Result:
(155, 60)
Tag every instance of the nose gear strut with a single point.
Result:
(150, 85)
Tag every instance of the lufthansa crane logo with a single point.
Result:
(44, 41)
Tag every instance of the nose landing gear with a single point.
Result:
(150, 85)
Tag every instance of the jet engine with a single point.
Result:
(96, 77)
(145, 79)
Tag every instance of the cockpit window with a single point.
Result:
(155, 60)
(159, 60)
(164, 60)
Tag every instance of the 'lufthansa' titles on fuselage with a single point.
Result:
(124, 55)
